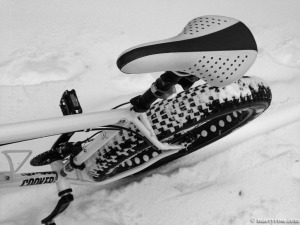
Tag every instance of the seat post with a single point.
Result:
(162, 88)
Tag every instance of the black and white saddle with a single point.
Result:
(217, 49)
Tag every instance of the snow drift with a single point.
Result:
(50, 46)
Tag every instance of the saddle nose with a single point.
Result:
(217, 49)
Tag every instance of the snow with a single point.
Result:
(50, 46)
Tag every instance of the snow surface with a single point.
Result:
(50, 46)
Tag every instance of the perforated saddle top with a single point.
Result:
(216, 49)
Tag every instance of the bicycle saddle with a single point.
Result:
(217, 49)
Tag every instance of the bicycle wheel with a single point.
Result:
(194, 118)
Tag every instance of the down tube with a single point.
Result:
(16, 132)
(27, 179)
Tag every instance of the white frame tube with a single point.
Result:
(16, 132)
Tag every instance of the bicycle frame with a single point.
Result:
(17, 132)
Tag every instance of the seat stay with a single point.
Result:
(146, 129)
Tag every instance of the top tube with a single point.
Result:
(17, 132)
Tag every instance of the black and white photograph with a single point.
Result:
(159, 112)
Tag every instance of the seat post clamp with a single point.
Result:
(162, 94)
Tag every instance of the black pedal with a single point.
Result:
(69, 103)
(65, 200)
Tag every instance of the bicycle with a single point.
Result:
(154, 128)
